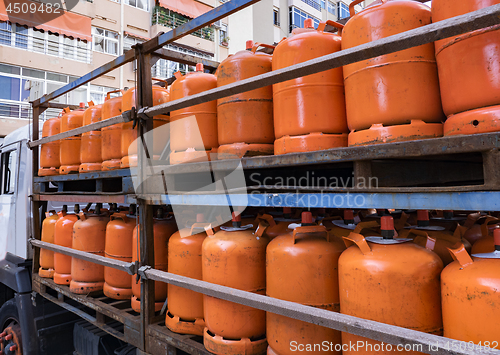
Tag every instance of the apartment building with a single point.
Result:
(39, 55)
(268, 21)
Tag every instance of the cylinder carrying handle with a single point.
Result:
(119, 215)
(113, 92)
(257, 45)
(484, 226)
(359, 240)
(459, 254)
(310, 229)
(430, 243)
(362, 225)
(322, 26)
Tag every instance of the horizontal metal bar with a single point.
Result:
(354, 325)
(106, 68)
(207, 18)
(183, 58)
(77, 131)
(129, 268)
(426, 34)
(417, 148)
(460, 201)
(109, 174)
(58, 105)
(78, 198)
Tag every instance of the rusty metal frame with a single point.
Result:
(143, 54)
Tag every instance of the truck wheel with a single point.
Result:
(10, 337)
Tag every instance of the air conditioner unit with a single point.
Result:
(218, 24)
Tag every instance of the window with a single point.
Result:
(10, 88)
(223, 37)
(5, 33)
(343, 10)
(9, 173)
(105, 41)
(129, 41)
(98, 93)
(140, 4)
(323, 4)
(276, 17)
(19, 85)
(21, 40)
(35, 40)
(331, 8)
(13, 35)
(297, 18)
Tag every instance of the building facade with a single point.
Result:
(37, 57)
(269, 21)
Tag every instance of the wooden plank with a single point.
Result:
(97, 259)
(378, 331)
(161, 337)
(426, 34)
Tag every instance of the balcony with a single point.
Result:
(167, 18)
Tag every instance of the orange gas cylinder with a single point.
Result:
(69, 149)
(163, 228)
(391, 281)
(235, 257)
(475, 227)
(118, 284)
(90, 150)
(302, 268)
(470, 290)
(111, 144)
(47, 256)
(391, 87)
(89, 234)
(49, 153)
(193, 130)
(469, 80)
(447, 219)
(309, 112)
(485, 244)
(245, 121)
(129, 133)
(338, 228)
(444, 239)
(280, 225)
(63, 236)
(185, 307)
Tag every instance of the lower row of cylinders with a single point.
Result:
(367, 269)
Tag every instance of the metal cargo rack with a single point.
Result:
(444, 185)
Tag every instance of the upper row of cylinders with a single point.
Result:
(399, 96)
(390, 272)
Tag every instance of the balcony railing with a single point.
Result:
(171, 19)
(313, 4)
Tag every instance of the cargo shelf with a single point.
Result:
(113, 316)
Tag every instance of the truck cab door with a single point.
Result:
(8, 195)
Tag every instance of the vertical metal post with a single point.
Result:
(145, 99)
(35, 205)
